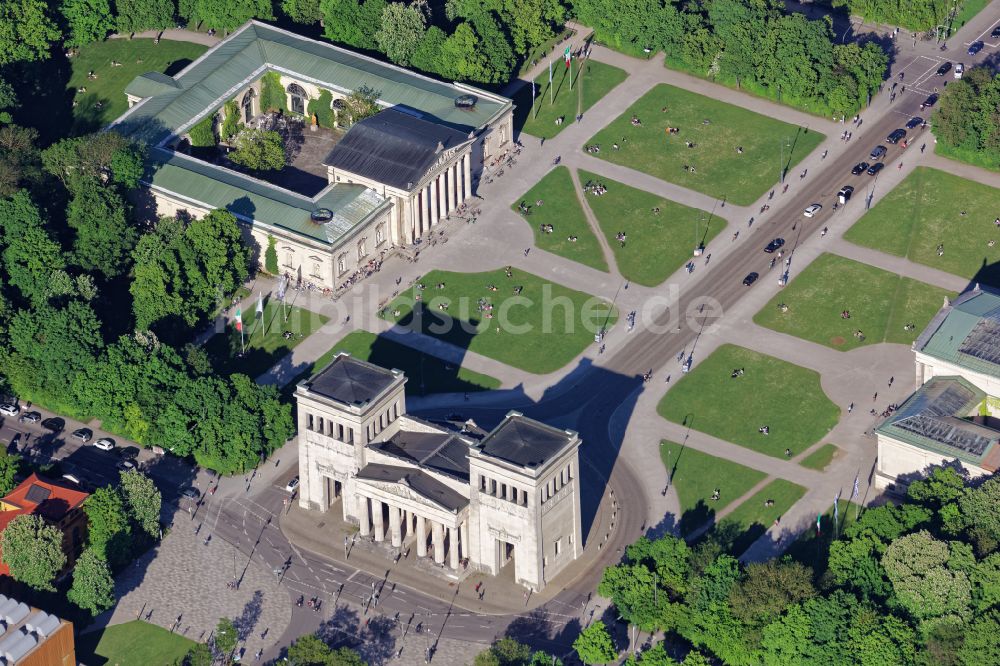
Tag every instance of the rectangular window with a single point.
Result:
(350, 435)
(319, 425)
(503, 491)
(482, 483)
(558, 545)
(395, 411)
(309, 421)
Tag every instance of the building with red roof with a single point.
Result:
(58, 505)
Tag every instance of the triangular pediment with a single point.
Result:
(401, 489)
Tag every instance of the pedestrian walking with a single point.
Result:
(900, 165)
(923, 147)
(891, 380)
(736, 235)
(526, 251)
(875, 397)
(850, 408)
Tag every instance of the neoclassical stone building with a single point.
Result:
(510, 495)
(391, 178)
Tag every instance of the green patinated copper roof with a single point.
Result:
(957, 327)
(151, 83)
(254, 200)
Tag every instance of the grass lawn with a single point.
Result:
(720, 171)
(135, 643)
(881, 305)
(967, 11)
(540, 330)
(814, 550)
(425, 374)
(925, 211)
(821, 457)
(696, 475)
(265, 345)
(589, 86)
(657, 244)
(750, 520)
(137, 56)
(771, 392)
(562, 210)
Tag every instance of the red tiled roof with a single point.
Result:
(58, 501)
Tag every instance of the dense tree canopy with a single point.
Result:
(88, 20)
(259, 150)
(227, 15)
(403, 26)
(138, 15)
(93, 587)
(32, 549)
(912, 14)
(967, 123)
(26, 31)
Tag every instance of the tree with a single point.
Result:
(26, 31)
(110, 531)
(231, 121)
(272, 94)
(93, 587)
(594, 645)
(138, 15)
(505, 652)
(225, 638)
(978, 510)
(259, 150)
(143, 501)
(271, 256)
(199, 655)
(924, 586)
(88, 20)
(19, 158)
(104, 238)
(227, 15)
(362, 103)
(352, 22)
(98, 156)
(8, 100)
(307, 12)
(403, 26)
(32, 549)
(767, 589)
(10, 465)
(29, 253)
(427, 55)
(982, 641)
(202, 134)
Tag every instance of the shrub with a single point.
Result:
(271, 256)
(259, 150)
(203, 134)
(272, 95)
(323, 109)
(231, 123)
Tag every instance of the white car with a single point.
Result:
(10, 410)
(959, 70)
(293, 484)
(812, 210)
(105, 444)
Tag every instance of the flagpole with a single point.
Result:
(551, 98)
(534, 109)
(570, 61)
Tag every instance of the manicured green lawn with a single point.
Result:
(967, 10)
(750, 520)
(656, 244)
(589, 86)
(821, 457)
(695, 476)
(265, 340)
(561, 209)
(425, 374)
(539, 331)
(881, 305)
(813, 549)
(925, 211)
(719, 170)
(137, 56)
(770, 392)
(135, 643)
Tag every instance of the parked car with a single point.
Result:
(931, 100)
(77, 480)
(83, 434)
(878, 152)
(55, 424)
(10, 409)
(293, 484)
(859, 168)
(810, 211)
(943, 69)
(975, 47)
(774, 245)
(959, 70)
(750, 279)
(915, 121)
(105, 444)
(125, 465)
(30, 417)
(996, 32)
(844, 195)
(191, 493)
(896, 136)
(875, 168)
(128, 452)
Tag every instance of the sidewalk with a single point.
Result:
(175, 35)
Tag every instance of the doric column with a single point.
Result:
(464, 542)
(363, 519)
(450, 171)
(377, 520)
(467, 181)
(453, 547)
(425, 209)
(394, 526)
(438, 531)
(433, 187)
(421, 537)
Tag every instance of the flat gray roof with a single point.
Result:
(525, 442)
(351, 381)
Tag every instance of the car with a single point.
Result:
(83, 434)
(77, 480)
(55, 424)
(293, 484)
(844, 195)
(14, 441)
(128, 452)
(943, 69)
(774, 245)
(896, 136)
(191, 493)
(915, 121)
(105, 444)
(10, 409)
(959, 70)
(125, 465)
(878, 152)
(974, 48)
(875, 168)
(859, 168)
(30, 417)
(750, 279)
(996, 32)
(930, 101)
(812, 210)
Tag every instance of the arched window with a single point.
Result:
(298, 98)
(380, 234)
(247, 105)
(342, 264)
(362, 252)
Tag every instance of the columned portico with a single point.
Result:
(377, 519)
(453, 547)
(433, 187)
(451, 171)
(363, 519)
(438, 534)
(467, 180)
(421, 536)
(394, 527)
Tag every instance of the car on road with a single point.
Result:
(77, 480)
(83, 434)
(844, 195)
(877, 152)
(128, 452)
(959, 70)
(896, 136)
(9, 409)
(750, 279)
(915, 121)
(812, 210)
(774, 245)
(105, 444)
(996, 32)
(55, 424)
(293, 484)
(125, 465)
(859, 168)
(12, 447)
(975, 47)
(875, 168)
(30, 417)
(191, 493)
(931, 100)
(943, 69)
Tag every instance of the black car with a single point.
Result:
(83, 434)
(55, 424)
(915, 121)
(878, 152)
(844, 195)
(128, 452)
(859, 168)
(774, 245)
(996, 32)
(896, 136)
(750, 279)
(931, 100)
(30, 417)
(875, 168)
(190, 493)
(944, 69)
(975, 47)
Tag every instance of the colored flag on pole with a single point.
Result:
(818, 516)
(836, 509)
(567, 55)
(855, 492)
(239, 318)
(260, 303)
(550, 72)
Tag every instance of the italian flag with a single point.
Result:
(567, 56)
(239, 318)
